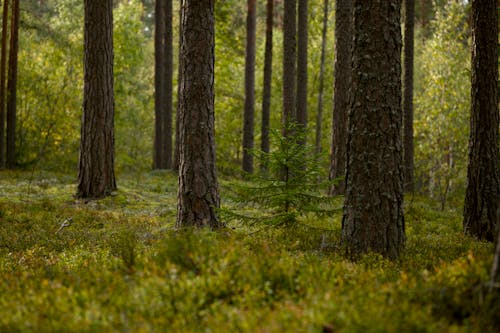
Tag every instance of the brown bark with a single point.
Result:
(373, 210)
(289, 63)
(248, 117)
(268, 69)
(198, 196)
(342, 86)
(3, 70)
(319, 113)
(175, 162)
(408, 149)
(482, 198)
(163, 85)
(12, 86)
(96, 177)
(302, 64)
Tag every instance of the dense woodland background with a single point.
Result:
(119, 263)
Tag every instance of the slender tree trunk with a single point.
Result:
(302, 64)
(408, 95)
(319, 114)
(289, 63)
(248, 121)
(163, 85)
(268, 70)
(342, 86)
(12, 86)
(482, 198)
(175, 163)
(96, 177)
(373, 210)
(3, 70)
(198, 197)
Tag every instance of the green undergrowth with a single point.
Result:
(120, 266)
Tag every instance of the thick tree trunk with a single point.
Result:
(319, 113)
(163, 85)
(302, 64)
(3, 70)
(373, 211)
(482, 198)
(96, 177)
(12, 86)
(198, 197)
(268, 70)
(248, 121)
(342, 86)
(408, 96)
(289, 63)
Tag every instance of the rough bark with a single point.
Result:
(163, 85)
(482, 198)
(373, 211)
(3, 70)
(289, 63)
(248, 117)
(268, 70)
(175, 162)
(319, 113)
(342, 86)
(408, 150)
(302, 30)
(198, 196)
(96, 168)
(12, 86)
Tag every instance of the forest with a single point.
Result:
(249, 166)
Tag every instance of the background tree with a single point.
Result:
(289, 63)
(268, 70)
(175, 162)
(96, 177)
(408, 151)
(302, 31)
(12, 86)
(163, 85)
(343, 59)
(198, 196)
(373, 210)
(249, 111)
(3, 68)
(482, 197)
(319, 112)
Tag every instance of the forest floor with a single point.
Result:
(120, 266)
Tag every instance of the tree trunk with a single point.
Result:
(373, 210)
(12, 86)
(3, 69)
(482, 198)
(289, 64)
(96, 177)
(302, 65)
(248, 121)
(163, 85)
(198, 197)
(319, 114)
(268, 70)
(342, 86)
(408, 96)
(495, 270)
(175, 162)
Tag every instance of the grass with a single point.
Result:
(120, 266)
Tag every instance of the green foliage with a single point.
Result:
(442, 104)
(290, 188)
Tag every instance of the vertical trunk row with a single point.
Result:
(96, 177)
(268, 69)
(319, 114)
(198, 197)
(373, 210)
(342, 86)
(12, 86)
(408, 95)
(175, 162)
(302, 64)
(248, 121)
(482, 198)
(289, 64)
(3, 68)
